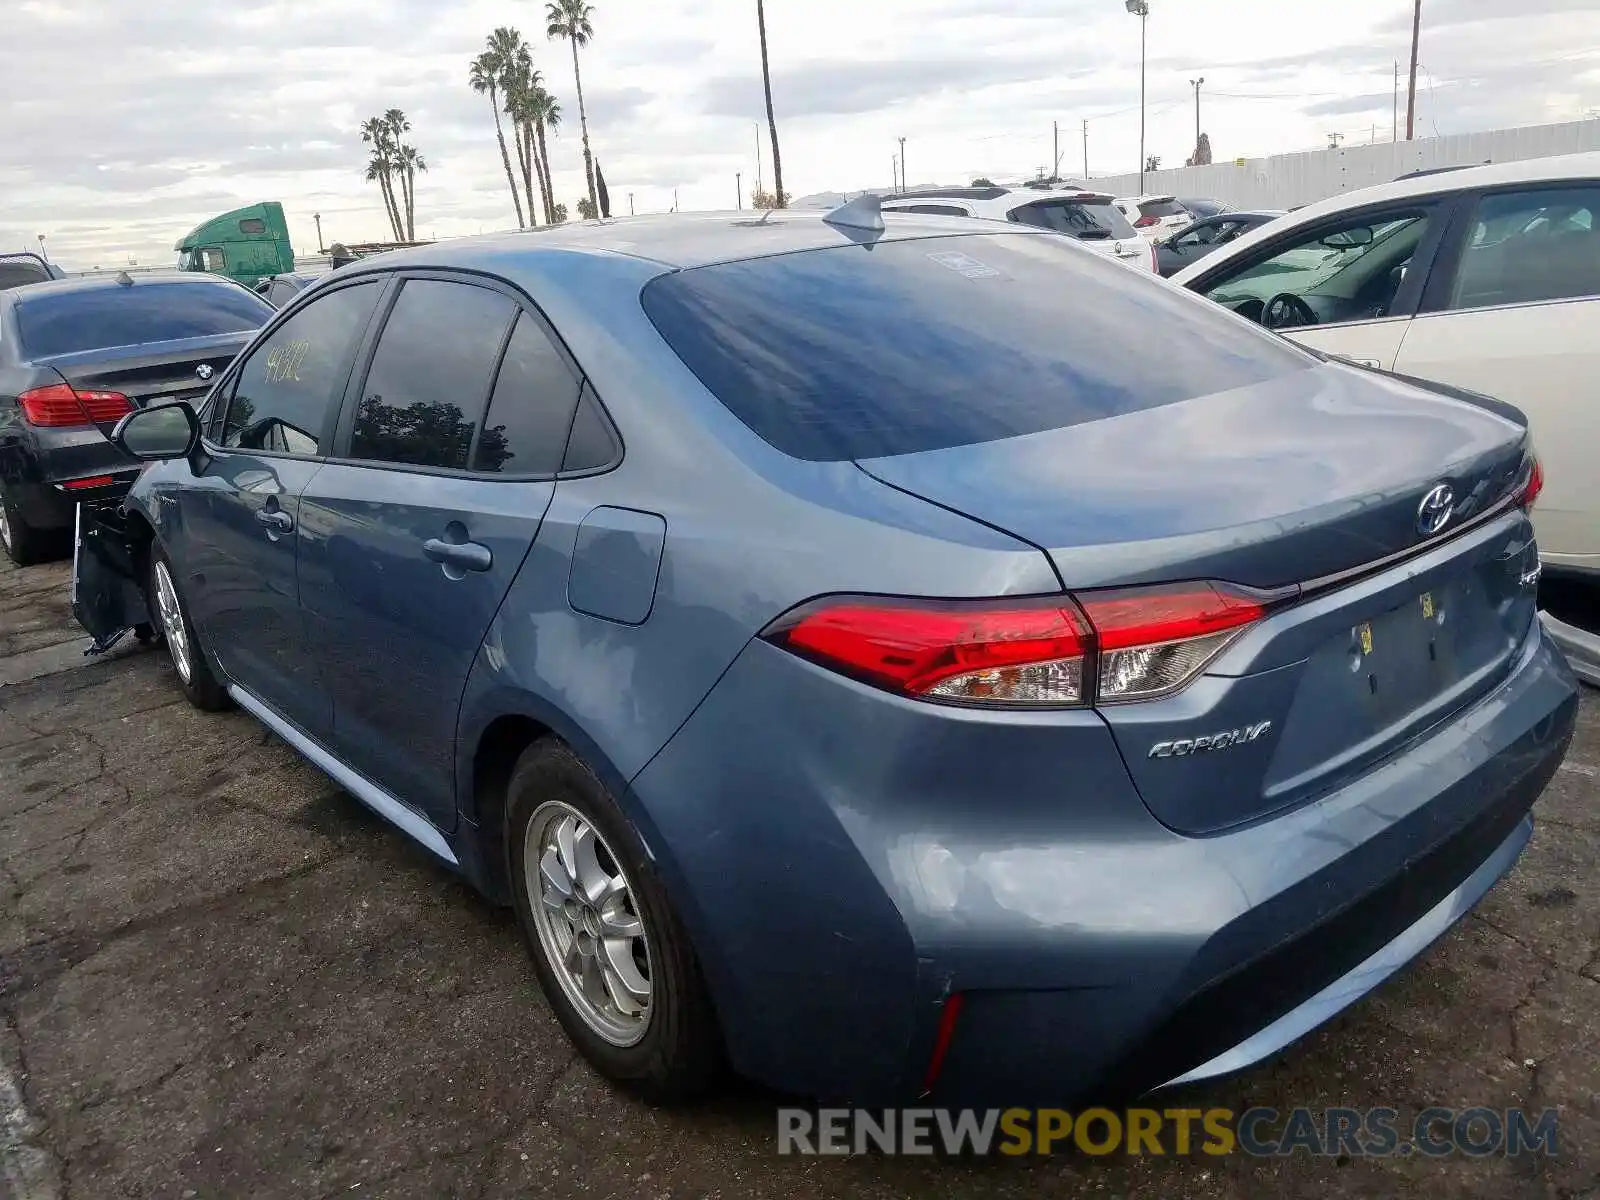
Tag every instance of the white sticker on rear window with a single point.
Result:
(965, 264)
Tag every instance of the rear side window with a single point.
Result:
(430, 374)
(1084, 219)
(117, 315)
(1526, 247)
(530, 413)
(856, 352)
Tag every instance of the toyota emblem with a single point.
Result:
(1433, 514)
(203, 370)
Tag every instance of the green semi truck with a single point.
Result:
(248, 244)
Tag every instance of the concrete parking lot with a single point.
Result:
(220, 976)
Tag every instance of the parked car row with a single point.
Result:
(890, 653)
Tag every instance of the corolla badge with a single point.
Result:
(203, 370)
(1183, 747)
(1433, 514)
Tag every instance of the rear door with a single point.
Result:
(1514, 311)
(1346, 286)
(235, 532)
(417, 530)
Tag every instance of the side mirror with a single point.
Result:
(155, 434)
(1348, 239)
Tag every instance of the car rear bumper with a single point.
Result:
(846, 860)
(51, 467)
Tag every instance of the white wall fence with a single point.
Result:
(1287, 180)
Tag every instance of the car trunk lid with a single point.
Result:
(1309, 486)
(151, 373)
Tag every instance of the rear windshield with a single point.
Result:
(116, 315)
(16, 273)
(1084, 219)
(1162, 208)
(895, 347)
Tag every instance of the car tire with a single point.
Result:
(24, 545)
(170, 617)
(557, 809)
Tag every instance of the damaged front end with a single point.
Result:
(108, 597)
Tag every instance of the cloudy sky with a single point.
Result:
(125, 122)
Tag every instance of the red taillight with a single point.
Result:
(1110, 646)
(1533, 484)
(1018, 652)
(91, 481)
(58, 405)
(1146, 222)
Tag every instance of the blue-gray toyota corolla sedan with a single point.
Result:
(892, 658)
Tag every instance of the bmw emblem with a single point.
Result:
(1433, 514)
(203, 370)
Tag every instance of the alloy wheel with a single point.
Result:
(172, 623)
(589, 924)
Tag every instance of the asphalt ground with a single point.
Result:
(221, 976)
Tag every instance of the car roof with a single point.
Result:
(101, 283)
(670, 240)
(1147, 198)
(1553, 169)
(998, 199)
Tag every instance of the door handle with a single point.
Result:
(464, 556)
(275, 519)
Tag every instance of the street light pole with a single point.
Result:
(1195, 84)
(317, 217)
(1411, 90)
(738, 190)
(903, 185)
(1141, 9)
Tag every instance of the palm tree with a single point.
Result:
(546, 114)
(572, 20)
(772, 124)
(484, 76)
(410, 163)
(521, 81)
(376, 131)
(508, 46)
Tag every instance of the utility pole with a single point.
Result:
(1055, 149)
(1334, 139)
(1086, 149)
(675, 192)
(1411, 88)
(894, 173)
(738, 191)
(630, 204)
(1141, 9)
(1395, 111)
(904, 186)
(317, 217)
(1195, 84)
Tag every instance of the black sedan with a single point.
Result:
(76, 355)
(1194, 242)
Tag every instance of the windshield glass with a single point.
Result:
(70, 322)
(901, 346)
(1081, 218)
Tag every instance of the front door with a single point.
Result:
(415, 534)
(240, 538)
(1346, 286)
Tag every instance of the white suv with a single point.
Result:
(1155, 217)
(1088, 216)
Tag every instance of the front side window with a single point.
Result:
(295, 378)
(1350, 271)
(425, 392)
(1530, 246)
(213, 259)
